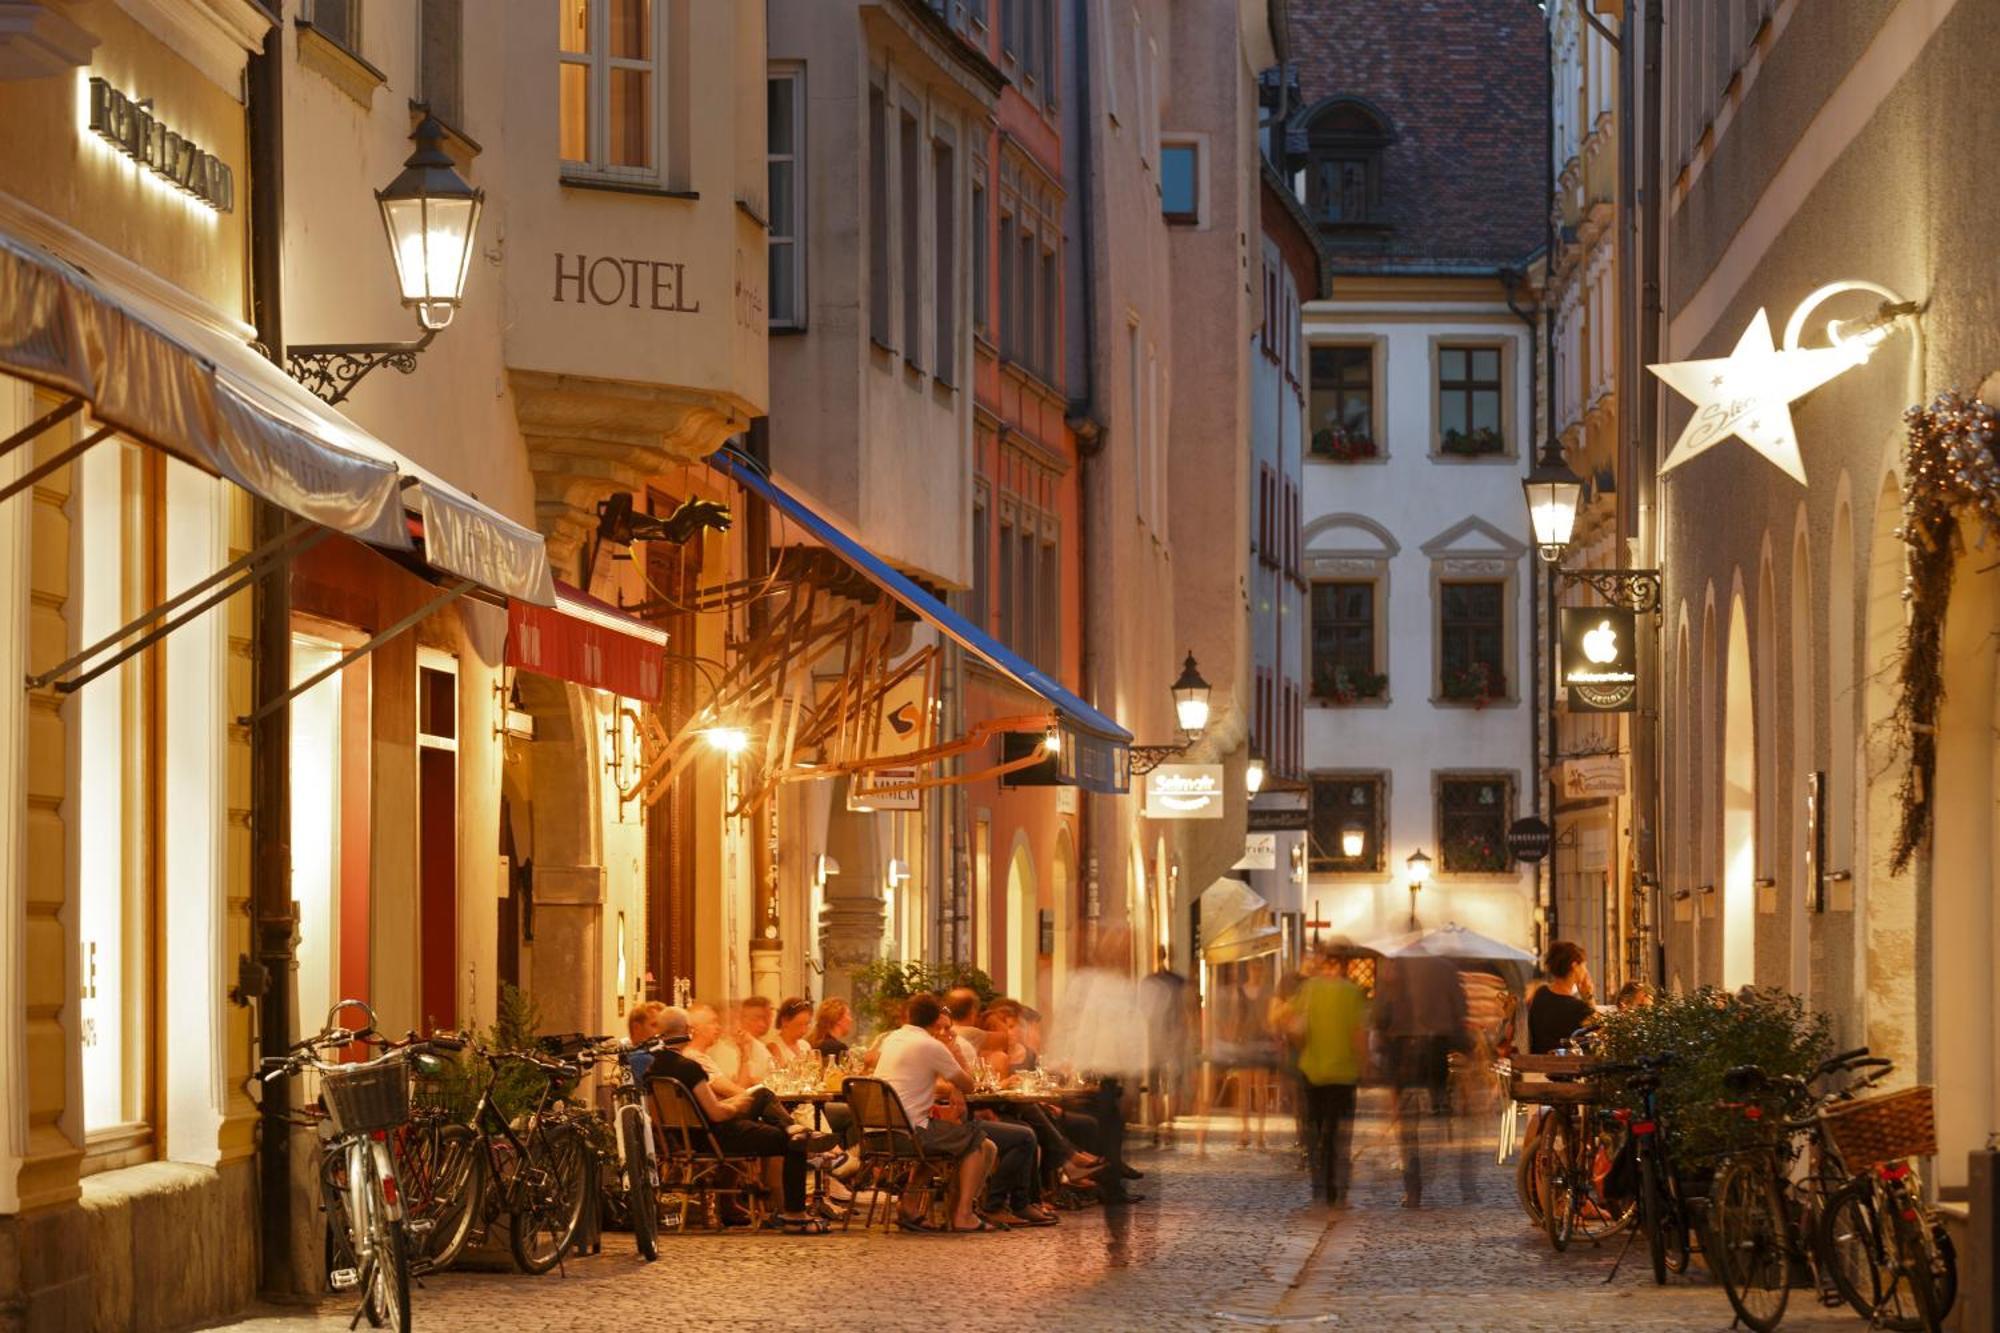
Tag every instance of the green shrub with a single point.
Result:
(1709, 1033)
(881, 985)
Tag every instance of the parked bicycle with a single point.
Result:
(1663, 1214)
(364, 1102)
(1853, 1217)
(532, 1167)
(634, 1175)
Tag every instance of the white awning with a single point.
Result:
(201, 394)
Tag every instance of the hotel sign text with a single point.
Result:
(133, 129)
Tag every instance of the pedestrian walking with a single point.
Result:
(1329, 1020)
(1420, 1012)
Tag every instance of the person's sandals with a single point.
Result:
(1038, 1215)
(1073, 1174)
(832, 1212)
(984, 1225)
(916, 1224)
(1002, 1219)
(798, 1226)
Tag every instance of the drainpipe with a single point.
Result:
(766, 946)
(1645, 760)
(273, 924)
(1098, 812)
(1549, 409)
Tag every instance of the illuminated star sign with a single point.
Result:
(1749, 394)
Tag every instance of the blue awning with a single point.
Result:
(1093, 755)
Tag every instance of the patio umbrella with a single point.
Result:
(1455, 942)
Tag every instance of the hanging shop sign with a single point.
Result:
(1528, 839)
(1184, 791)
(884, 789)
(1593, 776)
(129, 125)
(1749, 393)
(1260, 852)
(1282, 819)
(1600, 659)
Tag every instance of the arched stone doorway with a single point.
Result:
(1062, 900)
(1965, 850)
(1739, 808)
(1021, 920)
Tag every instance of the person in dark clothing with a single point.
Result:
(737, 1127)
(1562, 1005)
(1420, 1012)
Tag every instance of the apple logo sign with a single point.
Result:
(1601, 644)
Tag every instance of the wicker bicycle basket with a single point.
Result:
(366, 1098)
(1873, 1130)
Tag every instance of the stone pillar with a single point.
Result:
(851, 933)
(767, 950)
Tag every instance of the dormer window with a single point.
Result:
(1344, 141)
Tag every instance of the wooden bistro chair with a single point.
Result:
(893, 1160)
(692, 1161)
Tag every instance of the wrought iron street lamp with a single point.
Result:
(1254, 774)
(1190, 710)
(431, 217)
(1553, 492)
(1420, 873)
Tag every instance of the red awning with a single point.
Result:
(589, 642)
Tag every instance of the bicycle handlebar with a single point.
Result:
(1841, 1061)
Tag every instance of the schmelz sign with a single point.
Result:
(1184, 791)
(133, 129)
(1600, 667)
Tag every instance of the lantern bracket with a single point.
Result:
(1146, 758)
(331, 370)
(1634, 590)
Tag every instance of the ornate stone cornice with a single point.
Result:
(588, 437)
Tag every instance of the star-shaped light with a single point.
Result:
(1749, 394)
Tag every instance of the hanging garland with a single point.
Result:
(1949, 467)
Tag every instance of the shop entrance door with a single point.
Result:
(437, 838)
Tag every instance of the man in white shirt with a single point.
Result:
(742, 1057)
(918, 1066)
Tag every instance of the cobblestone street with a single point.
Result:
(1225, 1240)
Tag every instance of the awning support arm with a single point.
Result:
(457, 590)
(50, 418)
(250, 566)
(48, 465)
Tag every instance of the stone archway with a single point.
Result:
(1965, 873)
(1022, 924)
(1739, 807)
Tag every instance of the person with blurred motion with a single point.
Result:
(1099, 1032)
(1420, 1012)
(1329, 1019)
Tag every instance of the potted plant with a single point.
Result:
(1472, 443)
(1705, 1035)
(1476, 683)
(1346, 684)
(1475, 853)
(1342, 444)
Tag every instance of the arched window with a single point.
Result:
(1344, 143)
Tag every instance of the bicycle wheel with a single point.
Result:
(548, 1194)
(1559, 1197)
(1916, 1261)
(1856, 1251)
(642, 1192)
(1530, 1177)
(1652, 1215)
(445, 1193)
(1748, 1243)
(385, 1295)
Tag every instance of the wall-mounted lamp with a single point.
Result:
(1254, 774)
(1052, 740)
(1420, 872)
(731, 741)
(1353, 842)
(898, 873)
(826, 866)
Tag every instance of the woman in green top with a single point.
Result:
(1330, 1022)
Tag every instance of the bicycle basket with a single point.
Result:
(1873, 1130)
(365, 1098)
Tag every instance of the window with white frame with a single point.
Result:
(1180, 181)
(786, 130)
(609, 89)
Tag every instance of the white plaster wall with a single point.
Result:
(1409, 738)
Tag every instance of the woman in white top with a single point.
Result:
(788, 1036)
